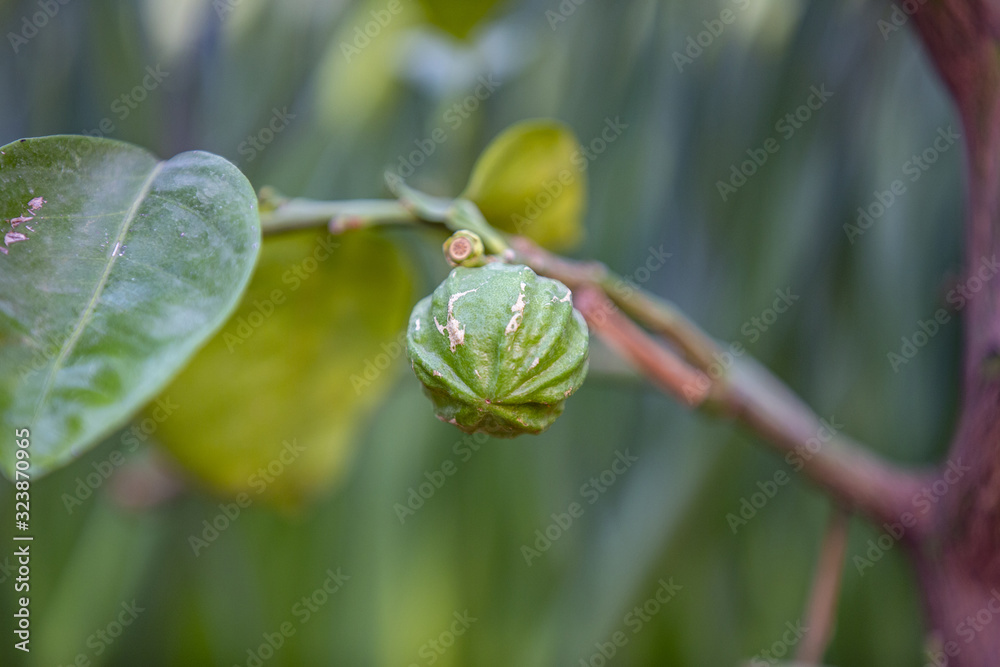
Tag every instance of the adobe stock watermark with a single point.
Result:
(239, 330)
(433, 649)
(45, 353)
(7, 570)
(786, 126)
(581, 159)
(591, 491)
(752, 329)
(696, 44)
(417, 496)
(252, 146)
(374, 366)
(224, 8)
(922, 503)
(123, 105)
(626, 285)
(138, 433)
(958, 297)
(967, 629)
(750, 506)
(774, 654)
(900, 14)
(912, 169)
(32, 25)
(564, 10)
(363, 35)
(103, 638)
(300, 614)
(656, 258)
(259, 480)
(635, 620)
(452, 119)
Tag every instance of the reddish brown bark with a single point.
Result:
(958, 560)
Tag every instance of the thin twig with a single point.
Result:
(622, 335)
(280, 215)
(657, 314)
(821, 613)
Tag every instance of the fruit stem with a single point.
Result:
(285, 215)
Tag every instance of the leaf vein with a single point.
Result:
(88, 311)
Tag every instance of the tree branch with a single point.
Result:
(751, 395)
(961, 37)
(686, 384)
(280, 214)
(699, 373)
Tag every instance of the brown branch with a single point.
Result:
(856, 478)
(746, 391)
(659, 315)
(821, 614)
(961, 37)
(686, 384)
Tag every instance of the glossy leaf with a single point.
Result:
(531, 180)
(126, 267)
(270, 407)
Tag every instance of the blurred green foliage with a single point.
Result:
(240, 69)
(316, 305)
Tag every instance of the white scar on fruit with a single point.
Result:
(518, 310)
(453, 329)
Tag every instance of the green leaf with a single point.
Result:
(531, 180)
(127, 266)
(458, 17)
(316, 343)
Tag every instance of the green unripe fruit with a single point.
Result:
(498, 349)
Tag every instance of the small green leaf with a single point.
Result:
(116, 268)
(458, 17)
(272, 405)
(531, 180)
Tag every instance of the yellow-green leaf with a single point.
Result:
(457, 17)
(531, 180)
(272, 405)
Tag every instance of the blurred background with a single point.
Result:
(395, 542)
